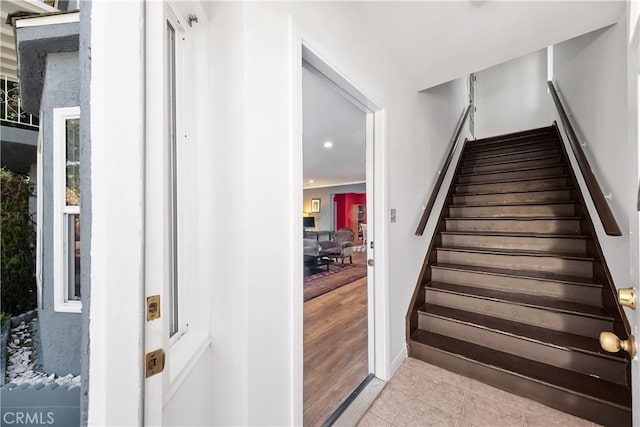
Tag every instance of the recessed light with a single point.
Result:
(328, 144)
(311, 181)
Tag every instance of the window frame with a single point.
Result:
(62, 302)
(175, 120)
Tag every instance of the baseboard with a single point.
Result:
(397, 361)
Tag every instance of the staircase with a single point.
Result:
(515, 291)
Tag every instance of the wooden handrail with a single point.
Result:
(602, 207)
(443, 171)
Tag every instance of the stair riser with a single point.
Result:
(523, 155)
(572, 267)
(549, 196)
(505, 176)
(577, 404)
(547, 226)
(562, 290)
(524, 211)
(509, 142)
(472, 153)
(537, 184)
(555, 320)
(547, 244)
(585, 363)
(510, 166)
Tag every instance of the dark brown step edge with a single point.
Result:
(517, 252)
(530, 133)
(514, 218)
(528, 169)
(497, 204)
(530, 190)
(497, 155)
(516, 234)
(581, 395)
(523, 274)
(462, 166)
(507, 181)
(513, 147)
(525, 300)
(543, 336)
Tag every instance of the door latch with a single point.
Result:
(154, 362)
(627, 297)
(153, 307)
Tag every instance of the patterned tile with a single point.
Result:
(419, 413)
(440, 374)
(422, 394)
(516, 402)
(372, 420)
(444, 395)
(484, 411)
(558, 417)
(531, 420)
(388, 404)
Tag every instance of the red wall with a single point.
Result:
(343, 208)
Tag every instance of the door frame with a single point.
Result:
(378, 291)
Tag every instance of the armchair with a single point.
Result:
(340, 247)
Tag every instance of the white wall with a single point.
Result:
(591, 75)
(512, 96)
(253, 177)
(596, 75)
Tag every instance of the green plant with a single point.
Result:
(17, 245)
(4, 318)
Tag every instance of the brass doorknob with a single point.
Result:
(611, 343)
(627, 297)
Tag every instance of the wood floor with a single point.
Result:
(335, 349)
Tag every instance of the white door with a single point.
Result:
(176, 325)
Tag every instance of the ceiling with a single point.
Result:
(329, 116)
(438, 41)
(8, 61)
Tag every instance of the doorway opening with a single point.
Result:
(374, 334)
(336, 315)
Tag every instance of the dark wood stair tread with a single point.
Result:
(545, 130)
(489, 204)
(504, 162)
(524, 274)
(550, 141)
(498, 155)
(517, 252)
(584, 385)
(534, 301)
(533, 168)
(514, 234)
(535, 190)
(506, 181)
(543, 336)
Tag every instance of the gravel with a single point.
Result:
(22, 359)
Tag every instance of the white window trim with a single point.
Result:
(173, 17)
(60, 286)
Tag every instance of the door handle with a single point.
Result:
(370, 262)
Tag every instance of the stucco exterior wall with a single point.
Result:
(60, 332)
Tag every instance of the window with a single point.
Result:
(174, 118)
(66, 209)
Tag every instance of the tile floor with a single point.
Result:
(420, 394)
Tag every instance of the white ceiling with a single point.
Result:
(438, 41)
(434, 42)
(329, 116)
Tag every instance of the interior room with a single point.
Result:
(335, 272)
